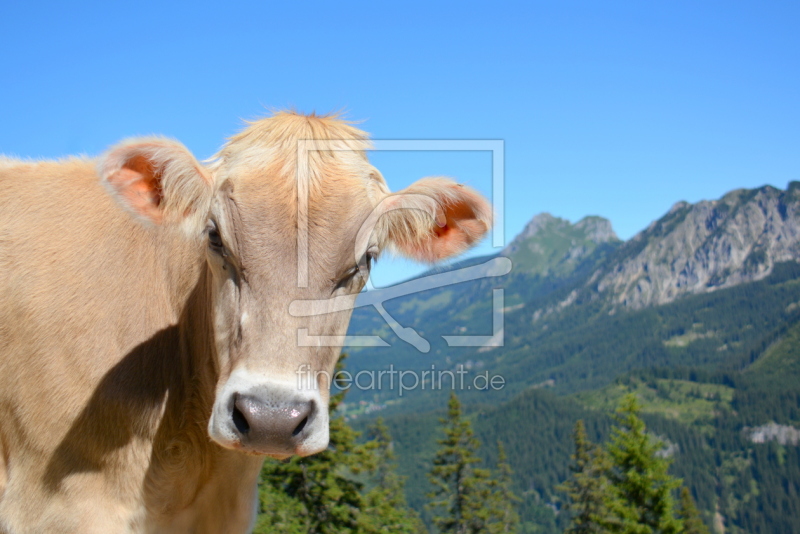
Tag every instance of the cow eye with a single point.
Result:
(361, 269)
(345, 279)
(214, 239)
(370, 258)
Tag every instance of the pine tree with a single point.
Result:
(385, 506)
(688, 513)
(503, 516)
(641, 500)
(461, 489)
(320, 489)
(325, 494)
(588, 489)
(280, 512)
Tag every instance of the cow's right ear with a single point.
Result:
(159, 181)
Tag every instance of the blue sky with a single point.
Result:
(617, 109)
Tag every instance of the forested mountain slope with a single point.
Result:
(699, 314)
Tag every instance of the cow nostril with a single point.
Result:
(300, 427)
(240, 421)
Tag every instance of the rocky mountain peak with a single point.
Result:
(697, 248)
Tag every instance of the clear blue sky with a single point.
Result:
(617, 109)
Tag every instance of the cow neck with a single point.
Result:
(183, 457)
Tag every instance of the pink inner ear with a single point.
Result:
(452, 239)
(463, 227)
(139, 187)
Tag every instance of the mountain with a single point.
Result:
(579, 306)
(697, 248)
(552, 246)
(698, 314)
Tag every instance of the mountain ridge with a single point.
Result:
(549, 244)
(702, 247)
(691, 249)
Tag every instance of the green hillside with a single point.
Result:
(690, 403)
(753, 486)
(778, 367)
(551, 246)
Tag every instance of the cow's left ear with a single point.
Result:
(159, 181)
(435, 218)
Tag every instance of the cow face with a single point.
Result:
(275, 229)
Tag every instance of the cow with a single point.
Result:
(148, 358)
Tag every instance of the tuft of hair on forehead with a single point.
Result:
(289, 126)
(280, 136)
(281, 150)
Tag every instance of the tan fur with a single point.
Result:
(5, 161)
(116, 337)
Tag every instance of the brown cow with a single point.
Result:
(148, 362)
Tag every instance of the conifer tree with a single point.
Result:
(325, 493)
(385, 506)
(280, 512)
(642, 500)
(588, 489)
(320, 489)
(503, 516)
(688, 513)
(461, 489)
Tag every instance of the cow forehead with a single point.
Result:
(268, 223)
(288, 150)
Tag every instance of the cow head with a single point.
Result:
(290, 209)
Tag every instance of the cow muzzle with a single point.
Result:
(271, 419)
